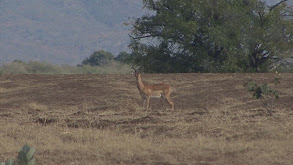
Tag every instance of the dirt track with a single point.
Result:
(204, 103)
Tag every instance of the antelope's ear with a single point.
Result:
(133, 68)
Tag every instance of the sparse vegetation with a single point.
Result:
(37, 67)
(98, 119)
(265, 93)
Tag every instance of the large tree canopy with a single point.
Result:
(210, 35)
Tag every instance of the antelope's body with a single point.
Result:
(148, 91)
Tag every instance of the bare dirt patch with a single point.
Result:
(99, 119)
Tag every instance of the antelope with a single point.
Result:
(148, 91)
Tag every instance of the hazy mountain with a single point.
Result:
(64, 31)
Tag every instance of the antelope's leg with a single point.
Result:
(170, 102)
(168, 99)
(148, 102)
(143, 104)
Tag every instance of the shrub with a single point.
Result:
(264, 93)
(25, 157)
(98, 58)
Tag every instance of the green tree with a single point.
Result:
(123, 57)
(210, 36)
(269, 35)
(98, 58)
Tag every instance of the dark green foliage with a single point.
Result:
(210, 36)
(123, 57)
(98, 58)
(25, 157)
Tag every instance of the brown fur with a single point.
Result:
(153, 90)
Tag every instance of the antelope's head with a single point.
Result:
(136, 73)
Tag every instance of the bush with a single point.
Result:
(264, 93)
(98, 58)
(25, 157)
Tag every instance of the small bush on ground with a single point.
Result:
(25, 157)
(264, 93)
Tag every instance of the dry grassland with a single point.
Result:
(98, 119)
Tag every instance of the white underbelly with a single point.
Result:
(156, 96)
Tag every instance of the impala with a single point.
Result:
(148, 91)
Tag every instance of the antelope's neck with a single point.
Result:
(140, 85)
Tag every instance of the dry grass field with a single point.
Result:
(98, 119)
